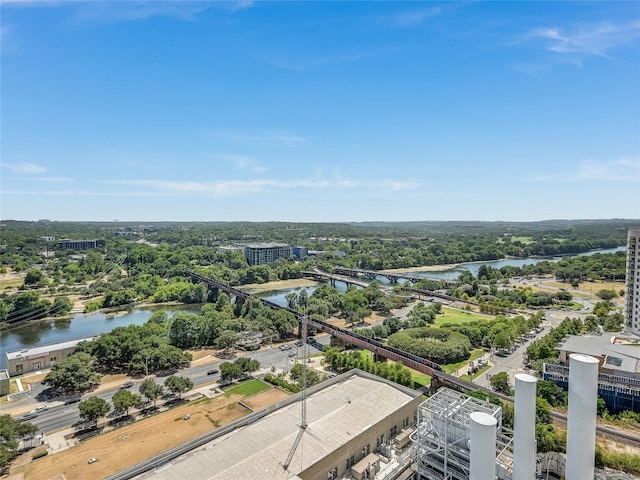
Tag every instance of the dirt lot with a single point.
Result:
(262, 399)
(129, 445)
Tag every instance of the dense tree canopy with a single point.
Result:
(73, 375)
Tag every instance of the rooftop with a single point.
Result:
(336, 413)
(616, 356)
(43, 349)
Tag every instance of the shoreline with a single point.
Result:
(253, 288)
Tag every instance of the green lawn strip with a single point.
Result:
(522, 240)
(477, 374)
(250, 387)
(420, 379)
(452, 315)
(452, 367)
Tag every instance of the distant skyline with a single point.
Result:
(319, 111)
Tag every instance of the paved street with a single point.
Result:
(513, 363)
(59, 415)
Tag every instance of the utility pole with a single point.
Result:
(303, 387)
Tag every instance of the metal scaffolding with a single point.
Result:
(441, 441)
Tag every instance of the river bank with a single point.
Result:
(254, 288)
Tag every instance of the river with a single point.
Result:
(60, 330)
(45, 332)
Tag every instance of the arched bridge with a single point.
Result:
(372, 274)
(319, 274)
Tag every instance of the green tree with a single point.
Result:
(247, 364)
(61, 306)
(74, 374)
(34, 277)
(151, 390)
(500, 383)
(11, 431)
(606, 294)
(123, 400)
(229, 371)
(93, 408)
(227, 339)
(177, 384)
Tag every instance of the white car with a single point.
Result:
(93, 460)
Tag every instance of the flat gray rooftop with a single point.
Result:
(42, 349)
(335, 415)
(625, 358)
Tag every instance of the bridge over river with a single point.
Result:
(415, 362)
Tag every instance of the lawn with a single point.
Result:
(420, 379)
(522, 240)
(477, 374)
(451, 315)
(11, 282)
(452, 367)
(245, 389)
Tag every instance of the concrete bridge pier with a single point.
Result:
(379, 358)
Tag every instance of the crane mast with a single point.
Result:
(303, 400)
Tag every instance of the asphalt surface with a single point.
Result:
(58, 415)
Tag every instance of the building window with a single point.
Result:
(351, 461)
(332, 474)
(365, 450)
(405, 422)
(393, 431)
(53, 359)
(379, 441)
(18, 368)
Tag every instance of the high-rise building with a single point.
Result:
(263, 253)
(632, 314)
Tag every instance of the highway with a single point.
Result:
(59, 415)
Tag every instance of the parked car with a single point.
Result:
(69, 401)
(213, 371)
(224, 383)
(285, 347)
(292, 354)
(126, 385)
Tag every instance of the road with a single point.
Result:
(513, 363)
(59, 415)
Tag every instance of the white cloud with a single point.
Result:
(268, 139)
(242, 162)
(24, 168)
(587, 39)
(236, 187)
(620, 170)
(412, 17)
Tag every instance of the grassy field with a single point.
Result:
(247, 388)
(11, 282)
(452, 367)
(451, 315)
(420, 379)
(477, 374)
(523, 240)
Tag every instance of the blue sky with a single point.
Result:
(320, 111)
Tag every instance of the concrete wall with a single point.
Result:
(369, 437)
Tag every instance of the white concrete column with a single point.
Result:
(524, 431)
(483, 446)
(581, 422)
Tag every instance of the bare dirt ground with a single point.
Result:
(253, 288)
(129, 445)
(263, 399)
